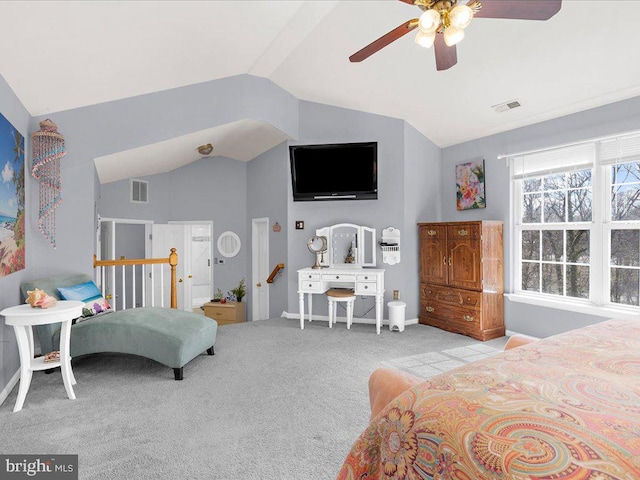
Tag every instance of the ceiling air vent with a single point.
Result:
(503, 107)
(139, 191)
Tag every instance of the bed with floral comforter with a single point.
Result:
(566, 407)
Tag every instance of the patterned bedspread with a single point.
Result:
(566, 407)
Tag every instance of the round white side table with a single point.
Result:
(23, 318)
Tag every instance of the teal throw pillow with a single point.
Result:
(88, 292)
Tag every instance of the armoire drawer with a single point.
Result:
(452, 296)
(462, 315)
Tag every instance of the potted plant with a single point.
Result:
(217, 296)
(240, 291)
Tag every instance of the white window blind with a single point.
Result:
(620, 149)
(547, 162)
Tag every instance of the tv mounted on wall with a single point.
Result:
(342, 171)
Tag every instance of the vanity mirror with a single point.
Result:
(349, 245)
(318, 246)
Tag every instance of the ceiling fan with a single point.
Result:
(442, 23)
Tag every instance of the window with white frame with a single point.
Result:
(577, 222)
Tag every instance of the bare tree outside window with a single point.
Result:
(625, 243)
(555, 260)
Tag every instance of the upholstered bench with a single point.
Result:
(168, 336)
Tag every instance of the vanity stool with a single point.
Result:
(336, 295)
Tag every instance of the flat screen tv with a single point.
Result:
(343, 171)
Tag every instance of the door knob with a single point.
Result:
(180, 281)
(258, 284)
(190, 276)
(109, 297)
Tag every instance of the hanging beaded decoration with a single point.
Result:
(48, 149)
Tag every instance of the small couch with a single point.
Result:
(168, 336)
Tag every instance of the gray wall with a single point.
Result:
(408, 193)
(112, 127)
(401, 154)
(607, 120)
(211, 189)
(421, 187)
(267, 194)
(15, 113)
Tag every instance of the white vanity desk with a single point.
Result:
(334, 274)
(364, 281)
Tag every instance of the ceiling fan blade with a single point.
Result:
(384, 40)
(446, 57)
(519, 9)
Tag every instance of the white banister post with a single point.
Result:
(144, 285)
(124, 289)
(133, 286)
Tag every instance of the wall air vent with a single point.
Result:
(139, 191)
(503, 107)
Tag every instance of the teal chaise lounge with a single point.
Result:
(168, 336)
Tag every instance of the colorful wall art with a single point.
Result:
(12, 237)
(470, 186)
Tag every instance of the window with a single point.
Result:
(577, 222)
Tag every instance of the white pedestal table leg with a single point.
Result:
(65, 359)
(26, 355)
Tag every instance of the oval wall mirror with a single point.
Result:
(228, 244)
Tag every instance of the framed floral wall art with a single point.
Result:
(12, 245)
(470, 186)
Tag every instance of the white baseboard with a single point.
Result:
(368, 321)
(7, 390)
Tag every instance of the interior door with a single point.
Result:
(163, 239)
(260, 268)
(201, 269)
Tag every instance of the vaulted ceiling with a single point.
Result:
(62, 55)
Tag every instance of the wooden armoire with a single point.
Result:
(462, 278)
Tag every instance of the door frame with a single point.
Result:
(211, 245)
(256, 224)
(114, 221)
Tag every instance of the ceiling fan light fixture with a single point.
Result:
(425, 39)
(429, 21)
(205, 149)
(460, 16)
(453, 35)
